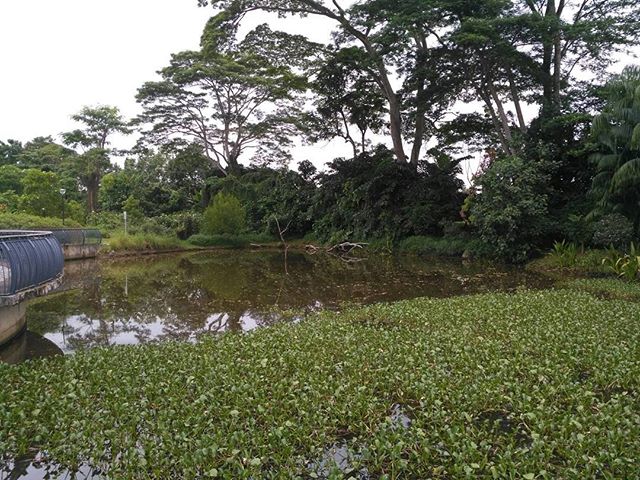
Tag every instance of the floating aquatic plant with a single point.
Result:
(530, 385)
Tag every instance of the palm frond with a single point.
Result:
(626, 176)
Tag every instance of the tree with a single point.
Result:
(41, 193)
(511, 209)
(11, 178)
(100, 123)
(389, 31)
(9, 152)
(534, 51)
(45, 154)
(346, 96)
(230, 98)
(617, 130)
(225, 215)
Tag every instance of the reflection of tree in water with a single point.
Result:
(184, 297)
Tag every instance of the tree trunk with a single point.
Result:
(548, 43)
(496, 122)
(516, 101)
(395, 122)
(420, 127)
(92, 193)
(504, 120)
(557, 72)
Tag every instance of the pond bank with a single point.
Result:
(531, 385)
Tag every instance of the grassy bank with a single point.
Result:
(232, 241)
(587, 262)
(531, 385)
(119, 242)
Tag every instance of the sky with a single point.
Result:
(61, 55)
(58, 56)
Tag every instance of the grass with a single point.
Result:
(588, 262)
(230, 241)
(119, 242)
(530, 385)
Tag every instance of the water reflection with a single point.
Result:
(182, 297)
(27, 346)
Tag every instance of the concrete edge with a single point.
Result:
(37, 291)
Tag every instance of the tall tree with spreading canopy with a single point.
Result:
(231, 97)
(99, 124)
(391, 33)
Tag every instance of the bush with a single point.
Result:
(225, 215)
(614, 229)
(183, 224)
(106, 222)
(372, 197)
(18, 221)
(511, 212)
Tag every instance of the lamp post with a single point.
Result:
(62, 192)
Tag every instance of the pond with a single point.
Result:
(182, 297)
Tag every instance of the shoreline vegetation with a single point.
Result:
(533, 384)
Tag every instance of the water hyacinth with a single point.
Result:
(530, 385)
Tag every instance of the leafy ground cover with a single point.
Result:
(527, 385)
(607, 288)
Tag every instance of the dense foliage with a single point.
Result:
(225, 215)
(531, 385)
(416, 90)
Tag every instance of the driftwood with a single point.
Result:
(341, 250)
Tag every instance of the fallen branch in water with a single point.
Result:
(341, 250)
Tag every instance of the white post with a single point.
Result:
(125, 223)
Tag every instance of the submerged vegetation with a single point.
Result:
(534, 385)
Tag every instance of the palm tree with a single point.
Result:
(617, 129)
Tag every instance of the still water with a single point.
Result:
(182, 297)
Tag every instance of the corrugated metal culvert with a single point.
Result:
(27, 260)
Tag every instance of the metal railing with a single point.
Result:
(77, 236)
(27, 260)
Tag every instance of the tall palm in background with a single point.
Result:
(616, 185)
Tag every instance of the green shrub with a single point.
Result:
(566, 253)
(511, 211)
(626, 266)
(106, 222)
(17, 221)
(225, 215)
(182, 224)
(614, 229)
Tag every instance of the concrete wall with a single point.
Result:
(13, 320)
(76, 252)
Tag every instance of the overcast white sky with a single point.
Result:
(58, 56)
